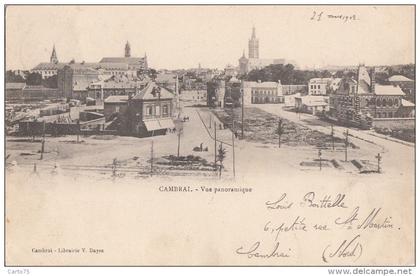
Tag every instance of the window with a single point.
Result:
(149, 110)
(319, 86)
(165, 110)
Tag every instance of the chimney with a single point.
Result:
(372, 81)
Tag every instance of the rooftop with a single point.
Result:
(117, 99)
(388, 90)
(127, 60)
(399, 78)
(407, 103)
(151, 92)
(266, 84)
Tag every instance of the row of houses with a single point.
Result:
(223, 93)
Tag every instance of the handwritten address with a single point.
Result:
(358, 220)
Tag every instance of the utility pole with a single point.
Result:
(215, 144)
(114, 167)
(43, 140)
(346, 143)
(319, 158)
(179, 143)
(242, 107)
(332, 136)
(78, 130)
(151, 160)
(280, 130)
(209, 121)
(233, 154)
(379, 157)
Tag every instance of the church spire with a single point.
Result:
(127, 50)
(53, 58)
(253, 45)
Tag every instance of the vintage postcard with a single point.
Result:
(213, 135)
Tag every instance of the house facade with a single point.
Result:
(359, 102)
(147, 113)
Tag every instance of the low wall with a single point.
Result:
(27, 128)
(394, 123)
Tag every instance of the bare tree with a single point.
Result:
(280, 130)
(221, 155)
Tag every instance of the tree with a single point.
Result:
(280, 130)
(179, 131)
(34, 79)
(286, 73)
(12, 77)
(221, 155)
(50, 82)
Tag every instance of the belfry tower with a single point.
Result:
(253, 46)
(127, 50)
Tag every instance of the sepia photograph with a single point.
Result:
(209, 135)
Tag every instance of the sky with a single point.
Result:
(177, 37)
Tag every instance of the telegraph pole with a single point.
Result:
(332, 136)
(379, 157)
(78, 130)
(280, 130)
(320, 160)
(179, 142)
(233, 154)
(43, 140)
(151, 160)
(215, 144)
(242, 125)
(346, 143)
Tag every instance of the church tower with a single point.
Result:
(53, 58)
(253, 45)
(127, 50)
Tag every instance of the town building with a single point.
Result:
(312, 104)
(114, 86)
(291, 89)
(49, 69)
(319, 86)
(167, 80)
(233, 96)
(362, 101)
(115, 66)
(262, 92)
(407, 86)
(195, 96)
(230, 71)
(254, 61)
(134, 63)
(114, 105)
(216, 90)
(74, 79)
(147, 113)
